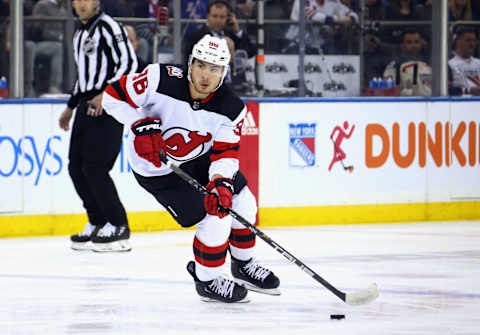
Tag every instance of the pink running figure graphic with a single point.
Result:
(338, 154)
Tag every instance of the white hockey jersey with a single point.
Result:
(465, 72)
(190, 128)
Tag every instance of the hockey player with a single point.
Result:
(196, 121)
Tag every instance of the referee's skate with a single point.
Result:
(82, 240)
(112, 238)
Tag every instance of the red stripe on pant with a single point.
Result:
(209, 256)
(242, 238)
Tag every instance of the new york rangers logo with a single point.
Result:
(302, 144)
(184, 145)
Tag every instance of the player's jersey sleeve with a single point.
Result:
(224, 153)
(123, 99)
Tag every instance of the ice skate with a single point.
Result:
(255, 277)
(219, 289)
(82, 240)
(112, 238)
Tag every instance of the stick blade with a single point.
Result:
(363, 297)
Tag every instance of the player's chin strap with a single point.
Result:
(362, 297)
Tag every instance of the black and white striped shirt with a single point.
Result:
(103, 54)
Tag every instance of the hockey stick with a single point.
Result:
(348, 168)
(357, 298)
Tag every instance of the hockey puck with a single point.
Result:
(337, 316)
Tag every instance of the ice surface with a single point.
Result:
(428, 277)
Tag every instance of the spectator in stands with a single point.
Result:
(246, 8)
(236, 77)
(140, 46)
(354, 5)
(29, 51)
(275, 33)
(278, 9)
(459, 10)
(320, 38)
(231, 49)
(29, 45)
(424, 10)
(4, 10)
(475, 9)
(239, 63)
(117, 8)
(402, 10)
(332, 11)
(195, 10)
(375, 9)
(4, 14)
(376, 56)
(149, 9)
(140, 8)
(410, 71)
(346, 39)
(221, 21)
(51, 39)
(464, 69)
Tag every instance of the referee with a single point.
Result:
(102, 54)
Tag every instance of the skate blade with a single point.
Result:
(210, 300)
(250, 287)
(117, 246)
(81, 246)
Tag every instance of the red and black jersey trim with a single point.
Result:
(119, 91)
(209, 256)
(242, 238)
(224, 150)
(115, 90)
(223, 101)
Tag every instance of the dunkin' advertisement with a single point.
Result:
(369, 153)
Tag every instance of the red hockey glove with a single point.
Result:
(148, 140)
(220, 198)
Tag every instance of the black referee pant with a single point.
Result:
(94, 146)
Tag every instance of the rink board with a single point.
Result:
(413, 160)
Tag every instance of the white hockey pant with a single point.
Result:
(212, 237)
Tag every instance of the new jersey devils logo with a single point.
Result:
(184, 145)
